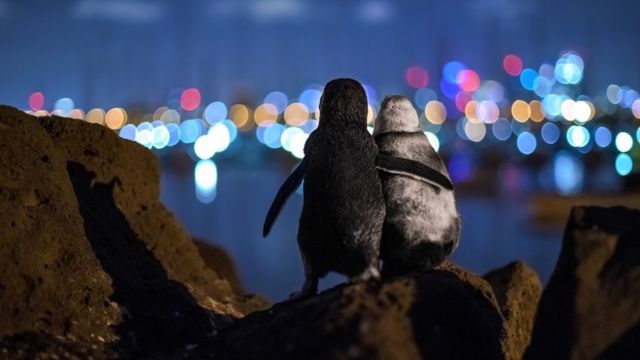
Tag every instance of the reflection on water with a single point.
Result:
(495, 230)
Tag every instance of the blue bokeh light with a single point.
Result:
(526, 143)
(602, 136)
(527, 78)
(624, 164)
(550, 133)
(568, 173)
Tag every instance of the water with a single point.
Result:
(495, 230)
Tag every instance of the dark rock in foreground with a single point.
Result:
(448, 313)
(218, 260)
(591, 306)
(89, 253)
(93, 265)
(517, 289)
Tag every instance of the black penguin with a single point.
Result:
(343, 210)
(422, 224)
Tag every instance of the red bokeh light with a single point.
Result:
(468, 80)
(462, 98)
(190, 99)
(417, 77)
(512, 65)
(36, 101)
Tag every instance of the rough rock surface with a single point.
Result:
(441, 314)
(220, 262)
(591, 306)
(50, 280)
(517, 289)
(93, 265)
(89, 252)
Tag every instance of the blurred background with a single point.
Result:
(532, 105)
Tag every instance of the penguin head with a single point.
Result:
(396, 114)
(343, 100)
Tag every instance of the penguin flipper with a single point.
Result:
(288, 187)
(415, 169)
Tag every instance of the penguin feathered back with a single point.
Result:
(343, 101)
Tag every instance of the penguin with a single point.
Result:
(343, 205)
(422, 224)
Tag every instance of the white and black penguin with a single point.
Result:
(343, 210)
(422, 224)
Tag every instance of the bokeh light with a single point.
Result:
(170, 116)
(190, 130)
(475, 131)
(36, 101)
(450, 71)
(526, 143)
(624, 164)
(487, 112)
(128, 132)
(568, 173)
(520, 110)
(501, 129)
(272, 135)
(417, 77)
(115, 118)
(278, 99)
(578, 136)
(435, 112)
(240, 115)
(206, 180)
(550, 133)
(527, 78)
(468, 80)
(215, 112)
(265, 114)
(190, 99)
(310, 98)
(64, 106)
(512, 65)
(296, 114)
(537, 113)
(423, 96)
(433, 140)
(161, 137)
(96, 116)
(624, 142)
(602, 136)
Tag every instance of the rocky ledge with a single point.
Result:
(94, 266)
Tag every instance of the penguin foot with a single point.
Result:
(371, 272)
(309, 288)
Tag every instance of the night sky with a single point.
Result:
(128, 52)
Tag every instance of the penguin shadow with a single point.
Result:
(158, 314)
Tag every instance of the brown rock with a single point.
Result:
(133, 174)
(517, 288)
(91, 254)
(218, 260)
(591, 306)
(50, 280)
(440, 314)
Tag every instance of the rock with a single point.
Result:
(91, 254)
(218, 260)
(517, 289)
(50, 279)
(591, 306)
(447, 313)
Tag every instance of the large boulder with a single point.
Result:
(517, 289)
(50, 279)
(591, 306)
(447, 313)
(88, 250)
